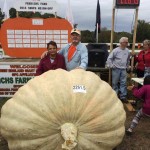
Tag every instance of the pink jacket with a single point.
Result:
(144, 93)
(143, 63)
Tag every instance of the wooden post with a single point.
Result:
(112, 30)
(112, 38)
(134, 40)
(17, 14)
(55, 14)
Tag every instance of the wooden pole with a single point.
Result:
(17, 14)
(134, 41)
(112, 30)
(55, 14)
(112, 38)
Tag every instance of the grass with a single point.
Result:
(2, 101)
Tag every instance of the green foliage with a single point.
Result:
(36, 15)
(26, 14)
(104, 36)
(118, 35)
(87, 37)
(12, 13)
(143, 31)
(47, 15)
(1, 17)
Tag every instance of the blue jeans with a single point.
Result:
(119, 75)
(147, 71)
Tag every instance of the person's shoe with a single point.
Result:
(124, 100)
(134, 103)
(129, 132)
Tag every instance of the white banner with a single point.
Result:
(46, 6)
(12, 77)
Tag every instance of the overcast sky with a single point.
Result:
(84, 13)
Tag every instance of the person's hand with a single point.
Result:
(44, 54)
(136, 65)
(79, 68)
(133, 54)
(128, 69)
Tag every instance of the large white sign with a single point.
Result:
(13, 76)
(46, 6)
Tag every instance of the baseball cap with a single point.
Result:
(76, 31)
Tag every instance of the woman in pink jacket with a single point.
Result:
(142, 93)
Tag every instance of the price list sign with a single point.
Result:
(24, 38)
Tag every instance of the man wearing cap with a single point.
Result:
(75, 53)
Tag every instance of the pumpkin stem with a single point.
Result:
(69, 133)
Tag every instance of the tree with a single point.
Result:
(37, 15)
(118, 35)
(26, 14)
(87, 36)
(104, 36)
(47, 15)
(12, 13)
(1, 17)
(143, 31)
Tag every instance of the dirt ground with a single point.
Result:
(140, 140)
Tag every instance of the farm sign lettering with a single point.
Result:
(11, 80)
(12, 77)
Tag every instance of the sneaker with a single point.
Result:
(124, 100)
(134, 103)
(129, 132)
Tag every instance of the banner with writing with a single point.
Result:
(46, 6)
(12, 77)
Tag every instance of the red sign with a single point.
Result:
(127, 3)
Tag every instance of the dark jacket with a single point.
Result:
(45, 64)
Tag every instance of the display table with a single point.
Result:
(139, 81)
